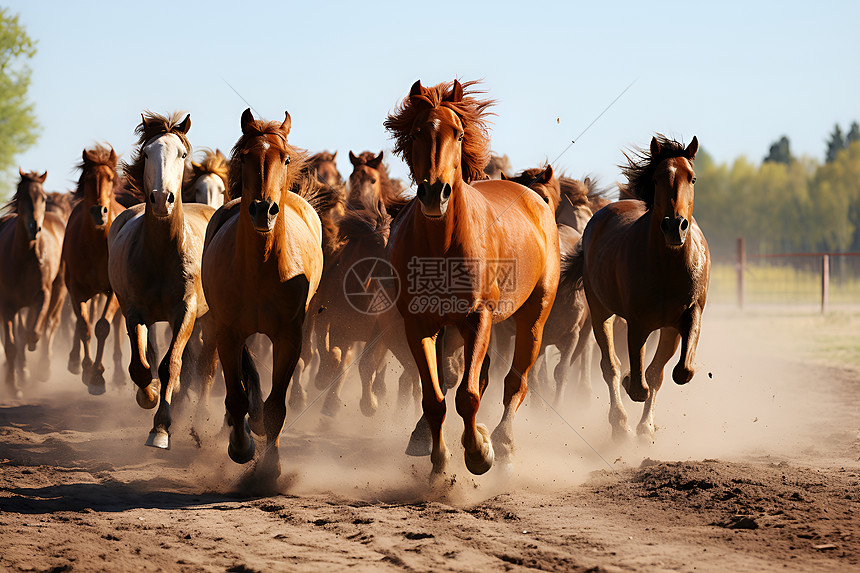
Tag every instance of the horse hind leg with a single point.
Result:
(96, 382)
(11, 348)
(667, 346)
(602, 326)
(118, 376)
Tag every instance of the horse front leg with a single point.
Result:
(287, 348)
(139, 367)
(478, 447)
(97, 379)
(168, 374)
(81, 338)
(11, 354)
(602, 323)
(236, 363)
(37, 319)
(634, 382)
(669, 339)
(691, 324)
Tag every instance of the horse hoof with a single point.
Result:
(98, 389)
(158, 439)
(74, 366)
(480, 460)
(297, 402)
(369, 406)
(621, 435)
(681, 375)
(637, 393)
(331, 406)
(420, 442)
(147, 398)
(245, 456)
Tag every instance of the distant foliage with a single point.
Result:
(780, 152)
(18, 125)
(835, 144)
(800, 206)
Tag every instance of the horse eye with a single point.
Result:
(373, 180)
(461, 136)
(287, 160)
(184, 155)
(546, 199)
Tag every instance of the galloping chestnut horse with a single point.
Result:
(647, 261)
(85, 256)
(262, 263)
(30, 246)
(155, 249)
(497, 246)
(208, 181)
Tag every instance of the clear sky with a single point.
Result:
(736, 74)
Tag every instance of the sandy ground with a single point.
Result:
(756, 466)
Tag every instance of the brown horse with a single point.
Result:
(496, 245)
(568, 326)
(647, 261)
(85, 256)
(30, 272)
(324, 166)
(207, 183)
(155, 250)
(262, 263)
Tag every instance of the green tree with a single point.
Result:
(780, 152)
(18, 125)
(835, 144)
(853, 134)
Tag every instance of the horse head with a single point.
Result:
(673, 192)
(30, 202)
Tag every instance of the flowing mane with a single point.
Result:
(214, 163)
(530, 176)
(12, 205)
(151, 125)
(640, 169)
(300, 180)
(98, 155)
(360, 223)
(471, 111)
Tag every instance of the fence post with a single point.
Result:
(742, 263)
(825, 282)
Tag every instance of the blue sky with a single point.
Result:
(736, 74)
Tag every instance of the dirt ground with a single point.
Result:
(756, 467)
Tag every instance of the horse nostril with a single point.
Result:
(170, 198)
(273, 210)
(684, 224)
(104, 210)
(664, 225)
(252, 209)
(422, 189)
(152, 197)
(446, 191)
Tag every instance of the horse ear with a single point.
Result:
(503, 176)
(546, 175)
(220, 155)
(692, 149)
(112, 156)
(247, 120)
(334, 155)
(456, 93)
(353, 159)
(185, 125)
(288, 122)
(587, 181)
(20, 172)
(42, 177)
(655, 147)
(374, 163)
(85, 155)
(415, 90)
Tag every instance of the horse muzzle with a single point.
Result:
(162, 202)
(263, 214)
(434, 198)
(99, 214)
(675, 230)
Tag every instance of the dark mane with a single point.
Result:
(641, 166)
(470, 110)
(98, 155)
(152, 125)
(393, 192)
(12, 205)
(213, 162)
(361, 223)
(529, 177)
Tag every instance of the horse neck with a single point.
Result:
(169, 230)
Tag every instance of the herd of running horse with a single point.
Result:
(273, 241)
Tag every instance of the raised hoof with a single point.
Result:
(479, 461)
(158, 439)
(420, 442)
(681, 375)
(369, 406)
(74, 366)
(147, 398)
(636, 393)
(245, 456)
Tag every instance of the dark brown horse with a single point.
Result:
(85, 256)
(207, 182)
(155, 250)
(30, 272)
(496, 245)
(647, 261)
(262, 263)
(324, 166)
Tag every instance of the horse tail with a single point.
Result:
(572, 268)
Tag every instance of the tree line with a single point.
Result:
(786, 204)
